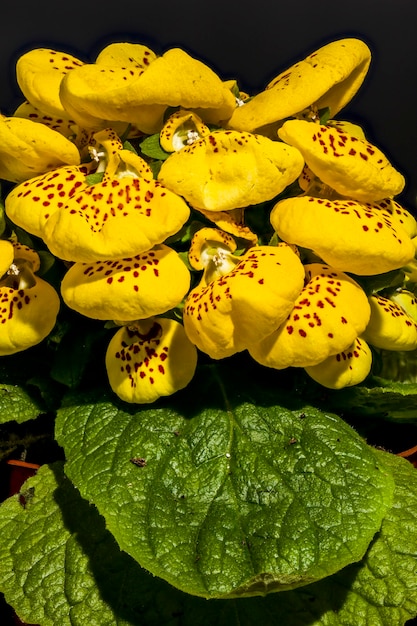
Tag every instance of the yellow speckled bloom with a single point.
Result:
(152, 359)
(182, 128)
(247, 303)
(348, 235)
(127, 213)
(129, 289)
(329, 314)
(29, 305)
(39, 73)
(390, 326)
(329, 77)
(352, 166)
(120, 87)
(28, 149)
(226, 170)
(345, 369)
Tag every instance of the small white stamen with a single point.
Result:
(95, 154)
(13, 270)
(192, 136)
(239, 102)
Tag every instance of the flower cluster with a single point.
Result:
(195, 217)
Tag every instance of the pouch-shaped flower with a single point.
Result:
(28, 149)
(128, 91)
(39, 73)
(30, 204)
(246, 304)
(348, 235)
(390, 326)
(129, 289)
(226, 170)
(124, 214)
(329, 314)
(328, 77)
(152, 359)
(352, 166)
(28, 304)
(114, 219)
(345, 369)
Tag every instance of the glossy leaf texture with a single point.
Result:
(230, 490)
(58, 564)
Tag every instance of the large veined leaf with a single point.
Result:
(230, 492)
(378, 397)
(58, 565)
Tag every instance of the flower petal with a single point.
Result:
(182, 128)
(352, 166)
(6, 256)
(132, 55)
(127, 289)
(227, 170)
(345, 369)
(329, 77)
(208, 237)
(330, 312)
(30, 204)
(27, 315)
(143, 366)
(96, 94)
(246, 304)
(39, 73)
(28, 149)
(399, 216)
(348, 235)
(390, 326)
(114, 219)
(61, 124)
(177, 79)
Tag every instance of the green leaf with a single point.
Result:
(59, 565)
(381, 590)
(94, 178)
(152, 148)
(17, 404)
(377, 397)
(239, 494)
(19, 399)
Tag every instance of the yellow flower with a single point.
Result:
(181, 129)
(329, 77)
(28, 149)
(129, 289)
(329, 314)
(61, 124)
(154, 358)
(118, 87)
(345, 369)
(390, 326)
(228, 169)
(246, 299)
(39, 73)
(348, 235)
(29, 305)
(127, 213)
(352, 166)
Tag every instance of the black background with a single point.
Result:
(249, 40)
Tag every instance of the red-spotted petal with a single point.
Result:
(348, 235)
(345, 369)
(129, 289)
(330, 312)
(246, 304)
(149, 361)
